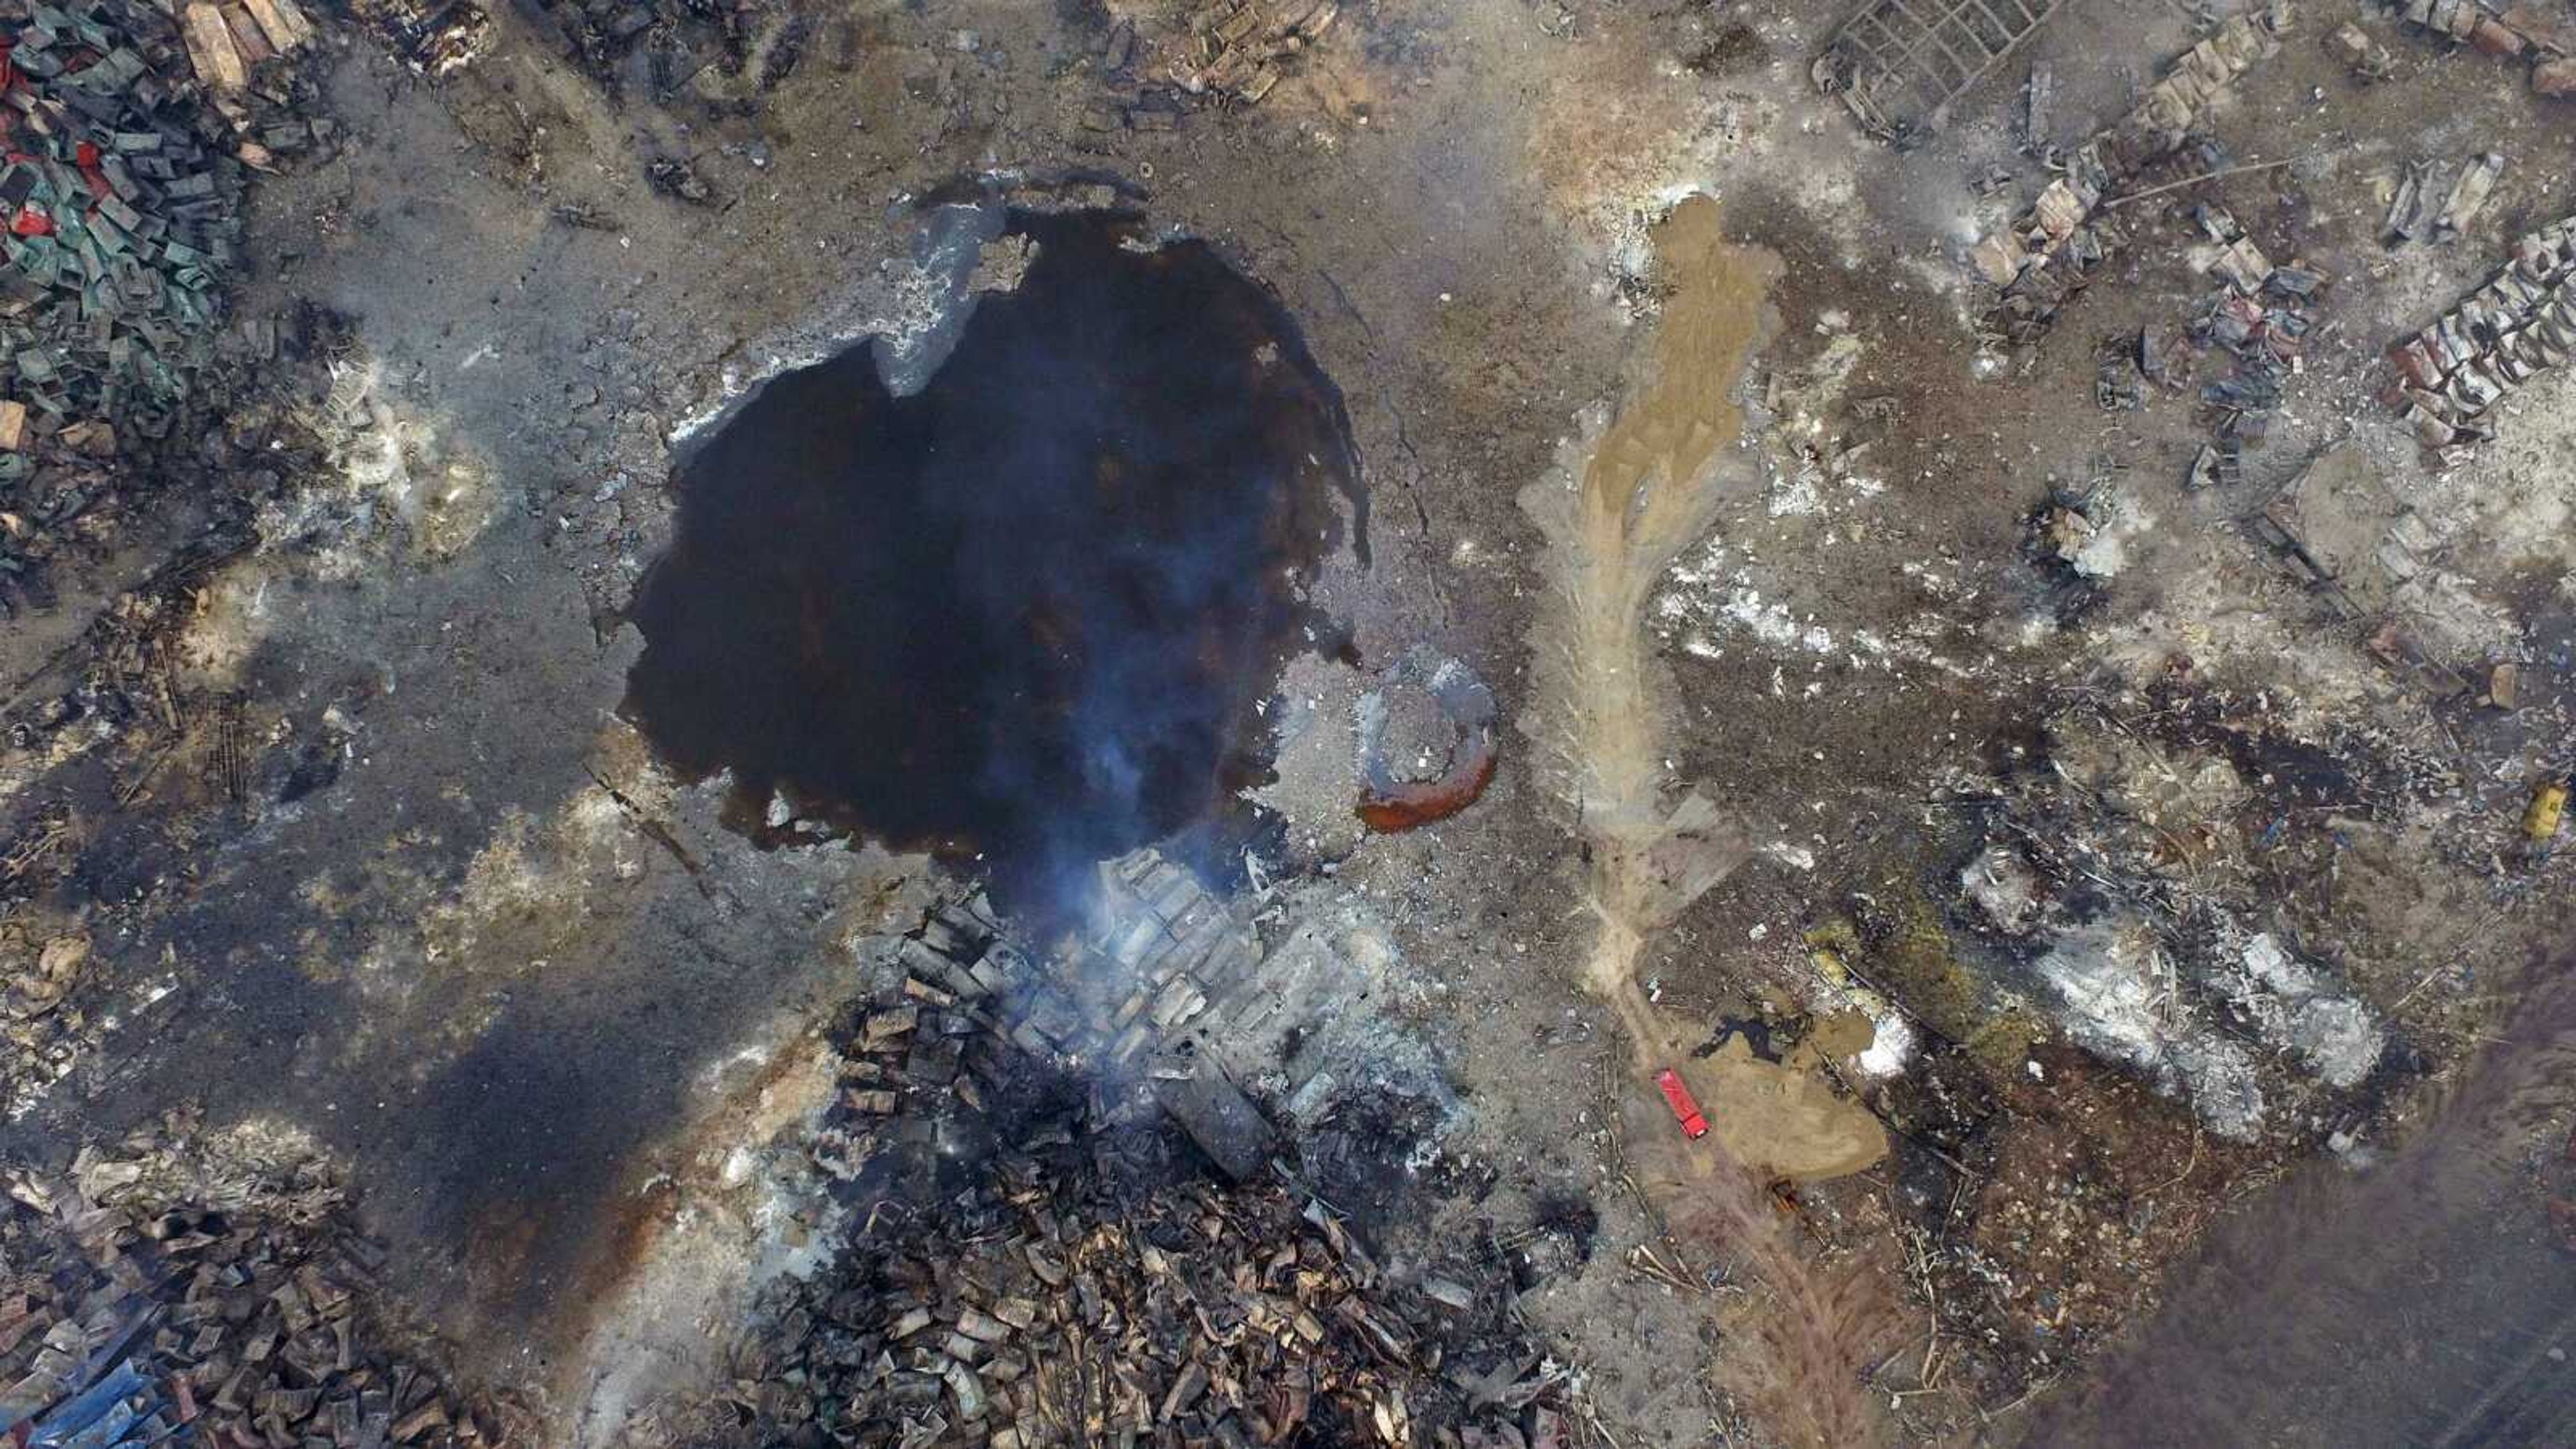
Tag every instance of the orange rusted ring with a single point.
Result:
(1387, 804)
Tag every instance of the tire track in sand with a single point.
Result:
(1630, 495)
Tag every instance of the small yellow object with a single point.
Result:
(2548, 807)
(1829, 965)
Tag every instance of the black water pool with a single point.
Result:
(1024, 614)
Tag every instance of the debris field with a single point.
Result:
(1498, 724)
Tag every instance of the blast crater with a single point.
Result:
(1027, 614)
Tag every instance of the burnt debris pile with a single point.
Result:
(1092, 1291)
(1028, 612)
(166, 1291)
(1069, 1226)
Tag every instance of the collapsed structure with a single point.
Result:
(1898, 65)
(2053, 249)
(2452, 375)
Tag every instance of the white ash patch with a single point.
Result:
(2116, 993)
(2294, 1006)
(2117, 519)
(1890, 1047)
(2005, 889)
(1709, 597)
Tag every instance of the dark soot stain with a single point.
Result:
(1028, 611)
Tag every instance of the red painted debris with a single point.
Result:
(1408, 806)
(1685, 1107)
(31, 222)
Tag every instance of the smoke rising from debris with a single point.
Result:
(1024, 614)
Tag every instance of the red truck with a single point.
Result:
(1677, 1094)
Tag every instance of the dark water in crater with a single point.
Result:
(1025, 613)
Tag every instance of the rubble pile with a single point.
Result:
(127, 136)
(1229, 51)
(1085, 1292)
(2260, 319)
(1239, 48)
(41, 1015)
(1169, 991)
(721, 53)
(2517, 31)
(2356, 541)
(2136, 881)
(2052, 250)
(2451, 375)
(164, 1291)
(433, 37)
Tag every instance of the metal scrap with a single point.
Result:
(1092, 1290)
(1898, 64)
(2516, 31)
(158, 1292)
(119, 207)
(2452, 374)
(2049, 254)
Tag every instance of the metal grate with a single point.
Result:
(1900, 63)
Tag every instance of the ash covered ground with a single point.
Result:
(2012, 629)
